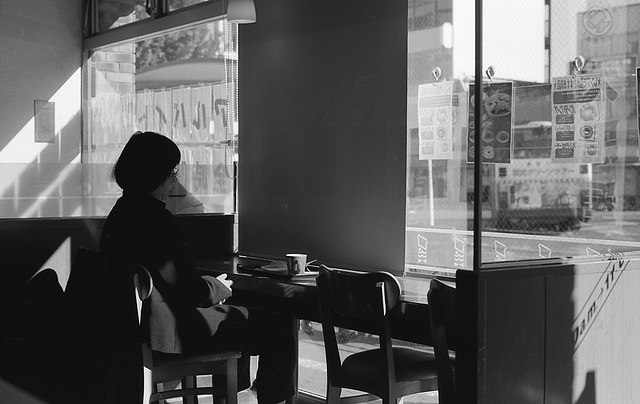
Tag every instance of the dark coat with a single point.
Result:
(184, 310)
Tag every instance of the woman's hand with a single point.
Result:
(226, 282)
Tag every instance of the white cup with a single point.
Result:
(296, 263)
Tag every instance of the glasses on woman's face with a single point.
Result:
(174, 174)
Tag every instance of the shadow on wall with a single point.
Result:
(588, 395)
(52, 184)
(43, 64)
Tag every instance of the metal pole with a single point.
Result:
(477, 167)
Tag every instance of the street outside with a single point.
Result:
(446, 239)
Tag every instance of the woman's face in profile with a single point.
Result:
(167, 186)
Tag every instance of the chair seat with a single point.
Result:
(411, 365)
(387, 372)
(167, 359)
(168, 367)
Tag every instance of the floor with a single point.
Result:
(312, 370)
(248, 397)
(316, 396)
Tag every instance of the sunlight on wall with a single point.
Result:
(22, 148)
(22, 156)
(33, 209)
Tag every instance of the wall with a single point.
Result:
(323, 131)
(41, 43)
(41, 58)
(29, 245)
(550, 332)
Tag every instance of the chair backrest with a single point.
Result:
(442, 314)
(101, 298)
(143, 286)
(359, 298)
(85, 284)
(103, 301)
(36, 311)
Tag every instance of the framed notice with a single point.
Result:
(436, 116)
(578, 113)
(45, 122)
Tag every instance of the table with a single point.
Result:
(410, 319)
(298, 296)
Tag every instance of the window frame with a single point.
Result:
(183, 18)
(163, 22)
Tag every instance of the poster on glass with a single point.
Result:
(578, 119)
(435, 114)
(495, 134)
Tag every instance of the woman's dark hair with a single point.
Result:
(146, 161)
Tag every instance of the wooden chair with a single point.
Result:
(160, 367)
(442, 313)
(106, 305)
(386, 372)
(34, 346)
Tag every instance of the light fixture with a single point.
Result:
(241, 11)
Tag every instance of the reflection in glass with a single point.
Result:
(116, 13)
(538, 205)
(178, 4)
(175, 84)
(113, 14)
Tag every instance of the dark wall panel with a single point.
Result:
(323, 132)
(512, 354)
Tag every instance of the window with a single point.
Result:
(66, 125)
(115, 13)
(558, 135)
(181, 83)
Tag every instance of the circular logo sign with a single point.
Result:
(597, 21)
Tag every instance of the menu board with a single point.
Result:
(494, 136)
(577, 125)
(435, 114)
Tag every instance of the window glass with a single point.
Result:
(115, 13)
(180, 84)
(178, 4)
(558, 132)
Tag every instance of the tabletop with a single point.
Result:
(410, 320)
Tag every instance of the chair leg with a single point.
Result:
(333, 394)
(147, 384)
(218, 381)
(189, 382)
(232, 381)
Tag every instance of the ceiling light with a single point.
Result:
(241, 11)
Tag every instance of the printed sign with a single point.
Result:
(578, 119)
(201, 108)
(495, 134)
(435, 115)
(45, 122)
(161, 112)
(638, 100)
(592, 307)
(181, 114)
